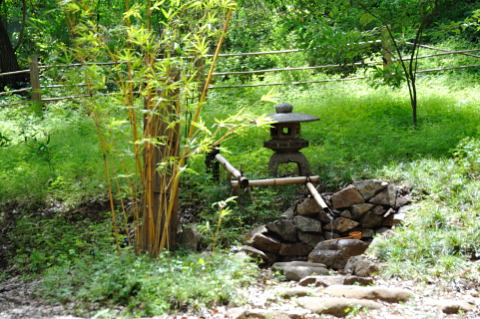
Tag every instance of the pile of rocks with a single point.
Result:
(305, 231)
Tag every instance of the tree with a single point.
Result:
(8, 58)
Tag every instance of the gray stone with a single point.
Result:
(360, 209)
(346, 213)
(371, 220)
(258, 230)
(265, 243)
(449, 306)
(367, 233)
(322, 281)
(361, 266)
(189, 238)
(289, 213)
(296, 270)
(379, 210)
(284, 228)
(357, 280)
(296, 292)
(370, 187)
(325, 281)
(242, 313)
(310, 239)
(402, 201)
(308, 207)
(258, 254)
(338, 307)
(335, 253)
(346, 197)
(387, 197)
(387, 294)
(295, 249)
(306, 224)
(332, 258)
(351, 247)
(342, 224)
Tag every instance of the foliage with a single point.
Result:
(42, 242)
(148, 287)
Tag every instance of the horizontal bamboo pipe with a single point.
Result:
(279, 181)
(232, 170)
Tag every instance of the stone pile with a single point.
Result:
(305, 231)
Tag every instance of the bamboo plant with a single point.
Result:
(159, 48)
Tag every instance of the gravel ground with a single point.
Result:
(17, 301)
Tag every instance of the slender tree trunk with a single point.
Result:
(8, 60)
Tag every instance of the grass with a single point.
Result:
(142, 286)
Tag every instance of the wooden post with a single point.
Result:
(35, 82)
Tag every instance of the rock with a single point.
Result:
(258, 230)
(189, 238)
(265, 243)
(351, 247)
(322, 281)
(338, 307)
(296, 270)
(361, 266)
(379, 210)
(387, 197)
(325, 281)
(308, 207)
(296, 249)
(310, 239)
(449, 306)
(368, 233)
(289, 213)
(332, 258)
(335, 253)
(360, 209)
(374, 293)
(296, 292)
(258, 254)
(323, 217)
(370, 187)
(385, 231)
(242, 313)
(402, 201)
(342, 224)
(283, 228)
(371, 220)
(353, 280)
(346, 213)
(306, 224)
(346, 197)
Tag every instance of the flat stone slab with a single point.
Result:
(296, 292)
(372, 293)
(296, 270)
(347, 197)
(450, 306)
(325, 281)
(339, 307)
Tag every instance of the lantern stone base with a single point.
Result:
(282, 158)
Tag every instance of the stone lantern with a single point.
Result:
(286, 140)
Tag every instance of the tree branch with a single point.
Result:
(22, 30)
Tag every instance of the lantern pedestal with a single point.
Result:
(282, 158)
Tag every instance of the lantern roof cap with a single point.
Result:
(285, 115)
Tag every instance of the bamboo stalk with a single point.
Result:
(278, 181)
(242, 180)
(316, 195)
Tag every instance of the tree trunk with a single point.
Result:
(8, 60)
